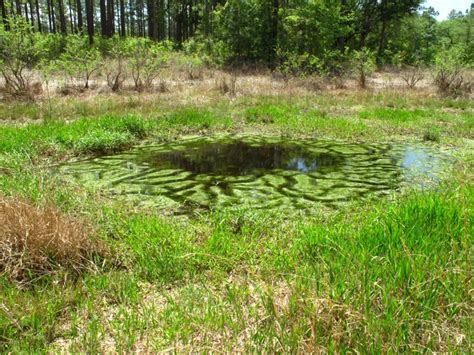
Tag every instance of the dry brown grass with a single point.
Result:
(35, 241)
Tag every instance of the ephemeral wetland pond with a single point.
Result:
(259, 172)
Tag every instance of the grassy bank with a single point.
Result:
(394, 276)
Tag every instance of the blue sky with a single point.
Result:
(444, 7)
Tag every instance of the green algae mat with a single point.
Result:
(257, 172)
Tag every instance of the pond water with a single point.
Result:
(257, 172)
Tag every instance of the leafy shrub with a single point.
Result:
(227, 84)
(293, 64)
(450, 76)
(363, 65)
(412, 75)
(19, 53)
(116, 69)
(36, 241)
(50, 46)
(145, 62)
(193, 67)
(80, 60)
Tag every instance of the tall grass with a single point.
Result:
(84, 136)
(36, 241)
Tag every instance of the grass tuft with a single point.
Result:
(37, 241)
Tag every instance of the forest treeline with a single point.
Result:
(132, 39)
(301, 33)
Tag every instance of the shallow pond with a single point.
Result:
(261, 172)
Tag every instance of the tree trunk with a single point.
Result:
(90, 20)
(53, 16)
(18, 7)
(62, 17)
(139, 13)
(80, 25)
(161, 21)
(50, 17)
(122, 18)
(179, 26)
(168, 8)
(32, 13)
(25, 6)
(72, 18)
(110, 18)
(38, 16)
(151, 8)
(3, 9)
(382, 40)
(131, 19)
(103, 17)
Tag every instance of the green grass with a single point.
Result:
(83, 136)
(390, 275)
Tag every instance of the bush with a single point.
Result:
(192, 66)
(36, 241)
(449, 72)
(19, 53)
(293, 64)
(412, 75)
(116, 69)
(146, 61)
(363, 65)
(227, 84)
(80, 60)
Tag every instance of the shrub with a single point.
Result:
(116, 68)
(36, 241)
(193, 67)
(293, 64)
(18, 55)
(80, 60)
(449, 75)
(412, 75)
(363, 65)
(227, 84)
(145, 62)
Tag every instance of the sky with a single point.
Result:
(444, 7)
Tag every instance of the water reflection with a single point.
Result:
(240, 158)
